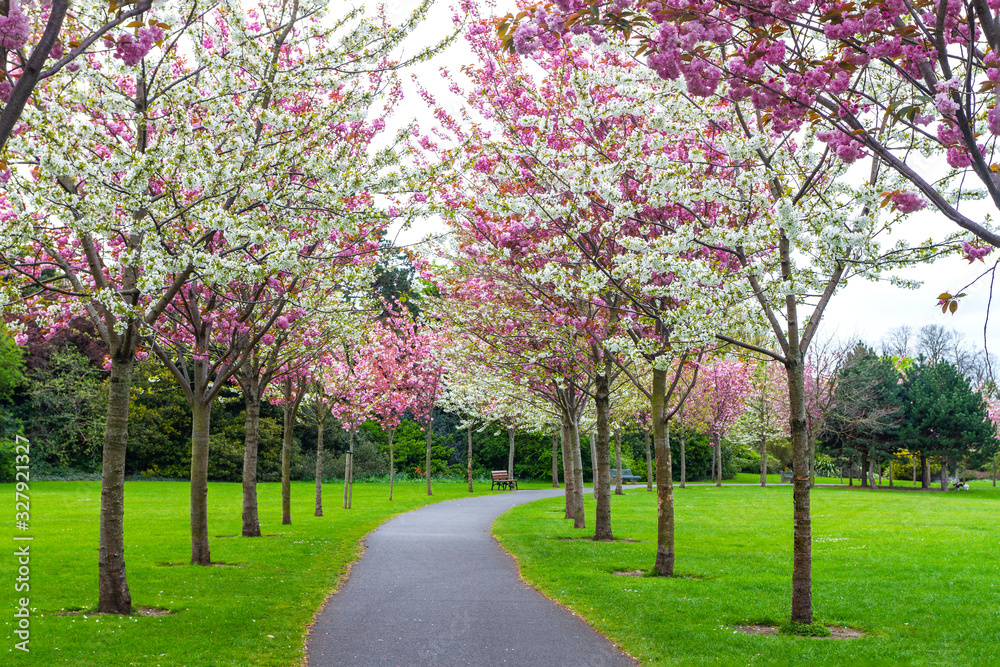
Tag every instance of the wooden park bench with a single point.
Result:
(502, 480)
(627, 475)
(786, 476)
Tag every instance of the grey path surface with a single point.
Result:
(434, 588)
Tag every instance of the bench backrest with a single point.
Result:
(499, 474)
(625, 472)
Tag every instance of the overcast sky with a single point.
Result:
(862, 308)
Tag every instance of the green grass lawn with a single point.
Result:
(254, 610)
(919, 572)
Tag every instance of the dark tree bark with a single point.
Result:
(321, 412)
(469, 458)
(349, 471)
(944, 474)
(427, 450)
(718, 460)
(293, 392)
(579, 516)
(602, 477)
(569, 474)
(763, 461)
(865, 470)
(114, 596)
(251, 444)
(392, 463)
(201, 418)
(925, 472)
(664, 563)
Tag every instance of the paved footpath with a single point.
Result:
(434, 588)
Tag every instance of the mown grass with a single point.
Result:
(918, 572)
(254, 610)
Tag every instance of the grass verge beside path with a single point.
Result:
(253, 610)
(919, 572)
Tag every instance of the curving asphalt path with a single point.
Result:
(434, 588)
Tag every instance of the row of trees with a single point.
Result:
(213, 189)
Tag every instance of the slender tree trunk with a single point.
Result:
(320, 423)
(763, 460)
(350, 470)
(469, 459)
(555, 461)
(251, 445)
(913, 462)
(201, 417)
(510, 451)
(944, 474)
(569, 474)
(850, 472)
(649, 463)
(113, 596)
(994, 470)
(890, 475)
(718, 459)
(865, 473)
(602, 466)
(286, 465)
(427, 449)
(664, 563)
(579, 516)
(925, 472)
(618, 461)
(392, 462)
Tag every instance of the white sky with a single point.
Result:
(861, 309)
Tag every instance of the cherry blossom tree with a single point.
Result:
(58, 35)
(899, 81)
(718, 399)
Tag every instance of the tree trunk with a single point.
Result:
(286, 464)
(579, 516)
(664, 563)
(349, 472)
(251, 444)
(718, 459)
(890, 475)
(925, 472)
(944, 474)
(802, 532)
(865, 472)
(763, 461)
(201, 417)
(320, 423)
(812, 456)
(602, 467)
(469, 459)
(569, 474)
(618, 461)
(113, 596)
(427, 450)
(555, 461)
(649, 463)
(913, 462)
(994, 470)
(510, 451)
(392, 462)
